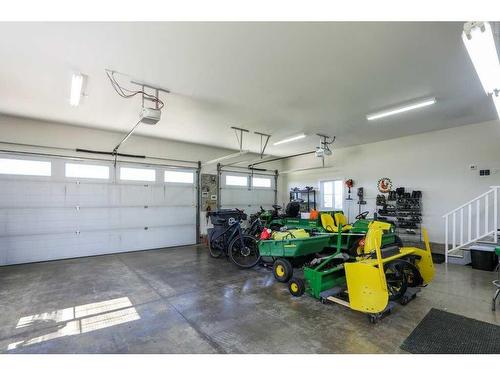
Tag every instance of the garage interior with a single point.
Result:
(226, 187)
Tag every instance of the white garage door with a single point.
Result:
(247, 191)
(58, 208)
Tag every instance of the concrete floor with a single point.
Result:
(182, 301)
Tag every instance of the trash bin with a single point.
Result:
(483, 257)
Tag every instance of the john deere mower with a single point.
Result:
(289, 248)
(373, 280)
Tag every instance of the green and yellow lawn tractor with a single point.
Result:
(373, 280)
(295, 247)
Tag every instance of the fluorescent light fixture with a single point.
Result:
(290, 139)
(76, 89)
(403, 108)
(480, 44)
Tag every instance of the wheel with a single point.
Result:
(395, 279)
(412, 274)
(372, 318)
(216, 247)
(296, 286)
(282, 270)
(493, 305)
(248, 255)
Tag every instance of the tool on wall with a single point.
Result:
(361, 198)
(349, 183)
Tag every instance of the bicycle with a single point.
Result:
(232, 241)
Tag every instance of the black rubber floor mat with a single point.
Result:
(441, 332)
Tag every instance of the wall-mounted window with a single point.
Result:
(332, 194)
(236, 180)
(25, 167)
(262, 182)
(137, 174)
(87, 171)
(179, 177)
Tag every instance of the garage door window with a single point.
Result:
(332, 194)
(179, 177)
(261, 182)
(137, 174)
(236, 180)
(87, 171)
(25, 167)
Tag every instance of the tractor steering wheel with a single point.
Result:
(362, 215)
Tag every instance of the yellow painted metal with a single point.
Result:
(374, 235)
(280, 270)
(425, 264)
(367, 290)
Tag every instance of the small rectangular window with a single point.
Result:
(180, 177)
(137, 174)
(25, 167)
(87, 171)
(236, 180)
(332, 194)
(261, 182)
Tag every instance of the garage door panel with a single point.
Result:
(26, 221)
(26, 193)
(48, 219)
(179, 195)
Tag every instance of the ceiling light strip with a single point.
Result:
(290, 139)
(400, 109)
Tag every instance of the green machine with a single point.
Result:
(304, 240)
(373, 280)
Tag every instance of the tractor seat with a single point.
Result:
(328, 223)
(340, 218)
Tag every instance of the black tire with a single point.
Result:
(282, 270)
(216, 248)
(395, 279)
(296, 286)
(246, 257)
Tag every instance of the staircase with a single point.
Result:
(475, 222)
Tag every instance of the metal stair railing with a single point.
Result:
(462, 230)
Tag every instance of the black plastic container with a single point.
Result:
(483, 260)
(226, 217)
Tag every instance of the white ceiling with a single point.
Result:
(279, 78)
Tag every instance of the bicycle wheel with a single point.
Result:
(248, 255)
(215, 246)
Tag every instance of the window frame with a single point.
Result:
(237, 186)
(334, 194)
(73, 178)
(183, 183)
(122, 180)
(20, 175)
(270, 179)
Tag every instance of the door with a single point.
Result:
(247, 191)
(64, 208)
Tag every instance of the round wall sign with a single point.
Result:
(384, 185)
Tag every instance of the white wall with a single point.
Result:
(29, 131)
(435, 162)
